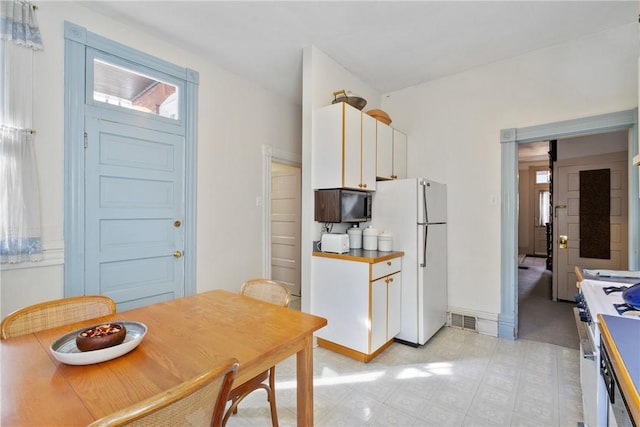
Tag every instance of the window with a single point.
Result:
(19, 187)
(116, 85)
(542, 177)
(545, 208)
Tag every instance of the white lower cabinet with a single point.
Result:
(385, 309)
(361, 301)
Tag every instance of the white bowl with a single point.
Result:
(65, 350)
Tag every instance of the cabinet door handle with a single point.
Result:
(390, 279)
(388, 262)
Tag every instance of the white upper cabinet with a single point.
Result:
(384, 151)
(344, 148)
(391, 153)
(368, 165)
(399, 155)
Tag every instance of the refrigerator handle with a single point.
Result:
(425, 213)
(424, 246)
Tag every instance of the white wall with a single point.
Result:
(322, 76)
(454, 124)
(236, 118)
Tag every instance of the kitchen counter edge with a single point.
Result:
(360, 255)
(609, 333)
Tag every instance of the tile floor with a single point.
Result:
(459, 378)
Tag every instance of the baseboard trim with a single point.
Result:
(486, 324)
(349, 352)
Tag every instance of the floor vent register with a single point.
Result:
(462, 321)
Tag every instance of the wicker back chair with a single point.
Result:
(272, 291)
(277, 293)
(196, 402)
(51, 314)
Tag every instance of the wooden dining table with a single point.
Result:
(186, 337)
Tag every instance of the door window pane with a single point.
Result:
(125, 88)
(545, 209)
(542, 177)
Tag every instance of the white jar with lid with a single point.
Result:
(385, 242)
(355, 237)
(370, 239)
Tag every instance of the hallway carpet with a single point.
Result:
(539, 318)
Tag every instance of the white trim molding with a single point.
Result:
(51, 255)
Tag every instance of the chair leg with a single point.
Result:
(271, 394)
(271, 397)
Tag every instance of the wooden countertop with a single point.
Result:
(621, 336)
(361, 255)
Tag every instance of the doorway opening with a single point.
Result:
(510, 140)
(282, 249)
(545, 293)
(286, 206)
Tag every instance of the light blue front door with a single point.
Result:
(134, 179)
(130, 172)
(134, 213)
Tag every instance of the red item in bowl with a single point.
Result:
(101, 336)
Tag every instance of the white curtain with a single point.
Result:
(19, 192)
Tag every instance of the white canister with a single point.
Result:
(370, 239)
(355, 237)
(385, 242)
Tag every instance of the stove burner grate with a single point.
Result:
(611, 289)
(626, 309)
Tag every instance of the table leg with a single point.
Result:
(304, 372)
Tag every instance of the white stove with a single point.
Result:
(602, 297)
(597, 297)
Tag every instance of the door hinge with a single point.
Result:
(86, 140)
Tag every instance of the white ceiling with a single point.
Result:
(533, 151)
(390, 45)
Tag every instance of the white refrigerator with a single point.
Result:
(415, 211)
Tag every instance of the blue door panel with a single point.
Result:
(142, 274)
(140, 234)
(153, 299)
(119, 150)
(134, 212)
(128, 193)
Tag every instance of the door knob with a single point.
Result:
(177, 254)
(177, 224)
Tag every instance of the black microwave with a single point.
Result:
(340, 205)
